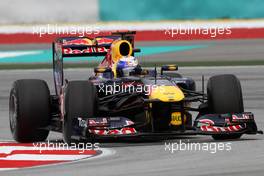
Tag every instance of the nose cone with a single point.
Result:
(167, 93)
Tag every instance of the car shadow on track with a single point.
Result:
(147, 141)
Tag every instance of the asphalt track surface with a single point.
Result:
(212, 50)
(149, 157)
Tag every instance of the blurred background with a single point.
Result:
(203, 37)
(162, 28)
(83, 11)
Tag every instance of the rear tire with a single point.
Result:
(80, 101)
(225, 96)
(29, 110)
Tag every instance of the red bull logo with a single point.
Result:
(101, 41)
(84, 51)
(81, 41)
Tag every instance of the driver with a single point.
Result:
(127, 66)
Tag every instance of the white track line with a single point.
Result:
(68, 158)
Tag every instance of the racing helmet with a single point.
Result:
(126, 65)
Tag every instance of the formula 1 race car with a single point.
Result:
(122, 99)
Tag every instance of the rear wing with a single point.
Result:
(84, 47)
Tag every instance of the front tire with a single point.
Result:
(225, 96)
(29, 110)
(80, 101)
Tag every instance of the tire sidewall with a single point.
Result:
(32, 110)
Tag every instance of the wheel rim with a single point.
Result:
(13, 113)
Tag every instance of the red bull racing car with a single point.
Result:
(122, 99)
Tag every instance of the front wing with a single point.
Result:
(208, 124)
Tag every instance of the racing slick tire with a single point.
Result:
(29, 110)
(225, 96)
(80, 101)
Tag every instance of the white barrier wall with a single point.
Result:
(48, 11)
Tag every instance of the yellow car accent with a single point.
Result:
(114, 69)
(117, 52)
(167, 93)
(176, 118)
(172, 68)
(172, 65)
(88, 41)
(101, 70)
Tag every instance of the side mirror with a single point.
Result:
(105, 71)
(171, 67)
(102, 70)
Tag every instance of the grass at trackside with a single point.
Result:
(146, 64)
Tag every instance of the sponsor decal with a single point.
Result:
(84, 51)
(101, 41)
(205, 122)
(81, 41)
(240, 117)
(103, 123)
(129, 122)
(244, 117)
(232, 128)
(97, 122)
(176, 118)
(121, 131)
